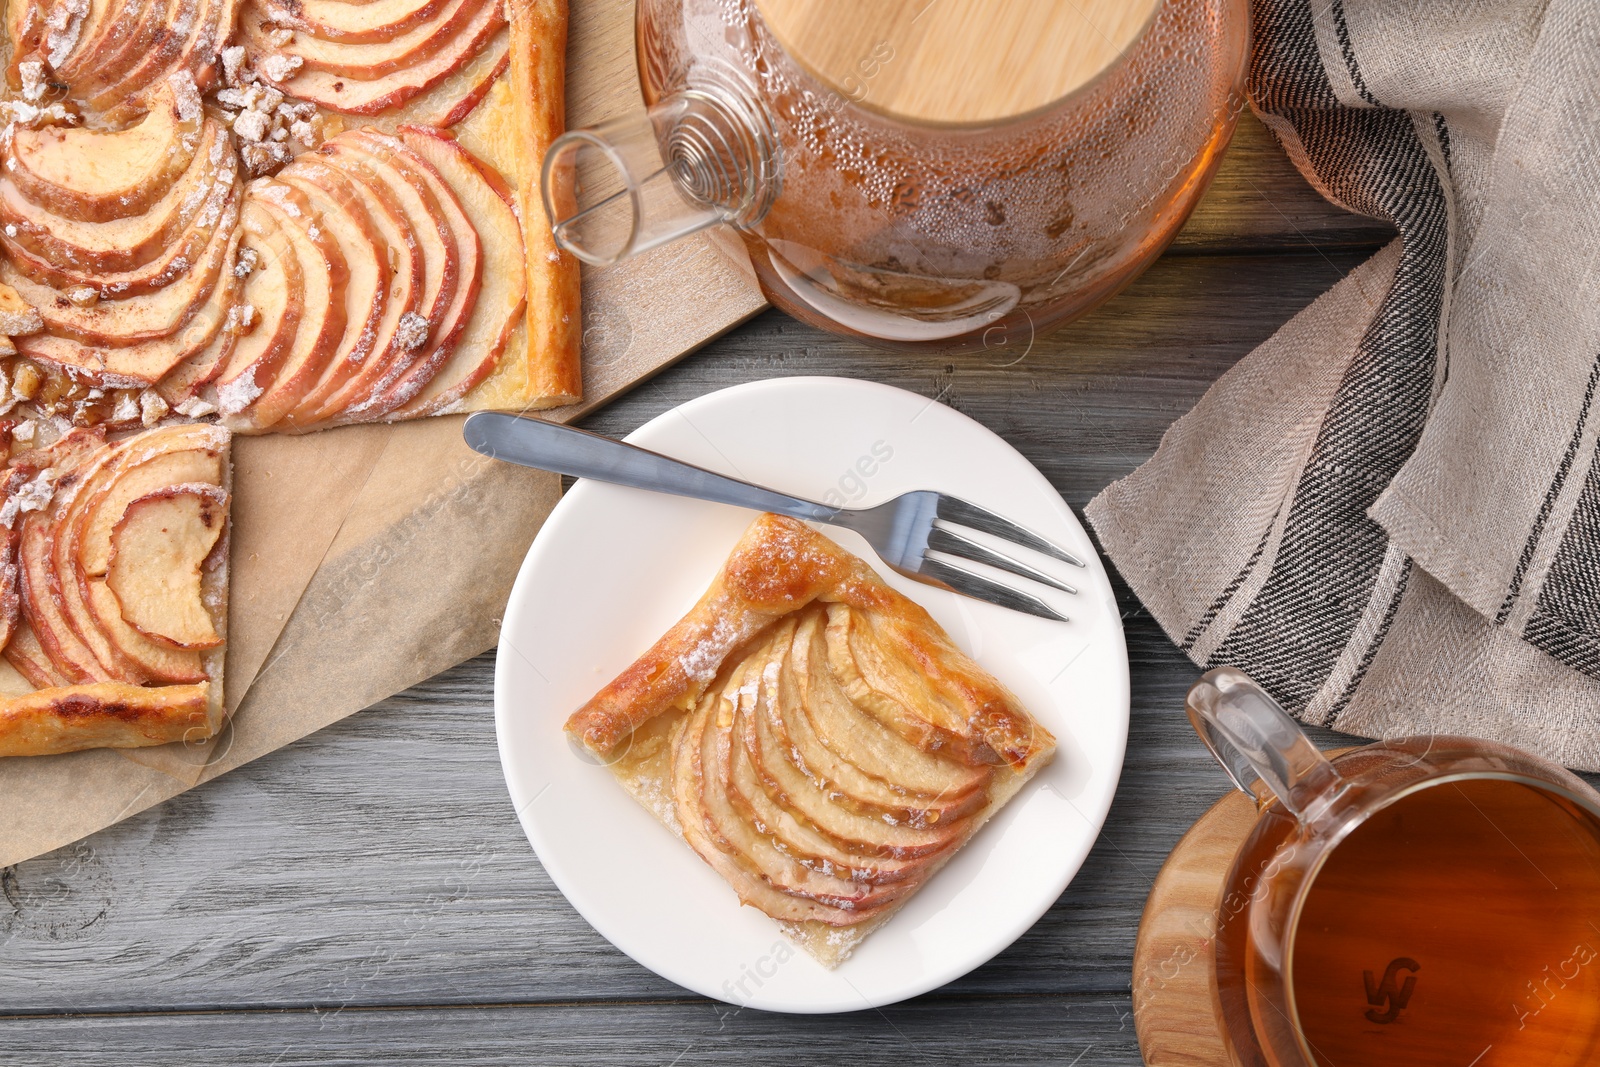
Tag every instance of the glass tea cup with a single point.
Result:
(1426, 902)
(883, 169)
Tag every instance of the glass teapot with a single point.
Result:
(913, 172)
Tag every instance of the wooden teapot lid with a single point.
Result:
(956, 61)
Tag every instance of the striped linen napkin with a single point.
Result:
(1389, 512)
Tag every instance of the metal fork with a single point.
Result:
(902, 531)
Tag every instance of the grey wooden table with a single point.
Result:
(366, 895)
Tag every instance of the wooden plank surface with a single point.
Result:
(366, 895)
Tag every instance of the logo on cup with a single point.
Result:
(1390, 991)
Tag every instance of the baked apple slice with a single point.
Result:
(189, 49)
(498, 308)
(87, 605)
(172, 263)
(452, 270)
(42, 603)
(275, 291)
(866, 835)
(145, 362)
(801, 842)
(63, 611)
(120, 52)
(84, 43)
(861, 765)
(128, 320)
(708, 822)
(399, 334)
(25, 29)
(322, 323)
(27, 655)
(123, 244)
(345, 215)
(349, 23)
(180, 454)
(158, 663)
(10, 534)
(154, 53)
(57, 547)
(450, 101)
(777, 846)
(888, 688)
(337, 91)
(146, 466)
(828, 714)
(367, 62)
(158, 549)
(99, 175)
(118, 659)
(796, 836)
(188, 379)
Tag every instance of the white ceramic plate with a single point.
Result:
(613, 568)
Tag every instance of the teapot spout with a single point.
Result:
(620, 188)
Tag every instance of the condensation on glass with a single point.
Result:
(898, 229)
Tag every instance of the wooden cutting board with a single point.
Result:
(647, 313)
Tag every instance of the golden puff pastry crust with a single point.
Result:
(814, 736)
(113, 590)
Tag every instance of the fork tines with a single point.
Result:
(959, 511)
(953, 543)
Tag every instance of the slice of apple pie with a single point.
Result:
(113, 590)
(814, 736)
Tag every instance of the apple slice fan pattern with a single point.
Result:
(240, 216)
(814, 736)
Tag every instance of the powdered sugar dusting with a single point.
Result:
(236, 395)
(63, 26)
(702, 662)
(187, 96)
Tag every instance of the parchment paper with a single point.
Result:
(364, 560)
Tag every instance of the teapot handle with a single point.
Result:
(622, 187)
(1258, 744)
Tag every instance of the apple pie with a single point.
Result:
(814, 736)
(113, 589)
(281, 215)
(251, 216)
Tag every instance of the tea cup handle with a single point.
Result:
(1257, 742)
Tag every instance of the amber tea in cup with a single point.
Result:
(1452, 927)
(1427, 902)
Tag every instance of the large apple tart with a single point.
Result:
(281, 214)
(246, 216)
(814, 736)
(113, 589)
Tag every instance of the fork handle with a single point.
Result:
(551, 446)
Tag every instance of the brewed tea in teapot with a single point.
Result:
(913, 171)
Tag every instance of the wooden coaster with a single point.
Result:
(1173, 962)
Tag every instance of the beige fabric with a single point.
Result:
(1461, 588)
